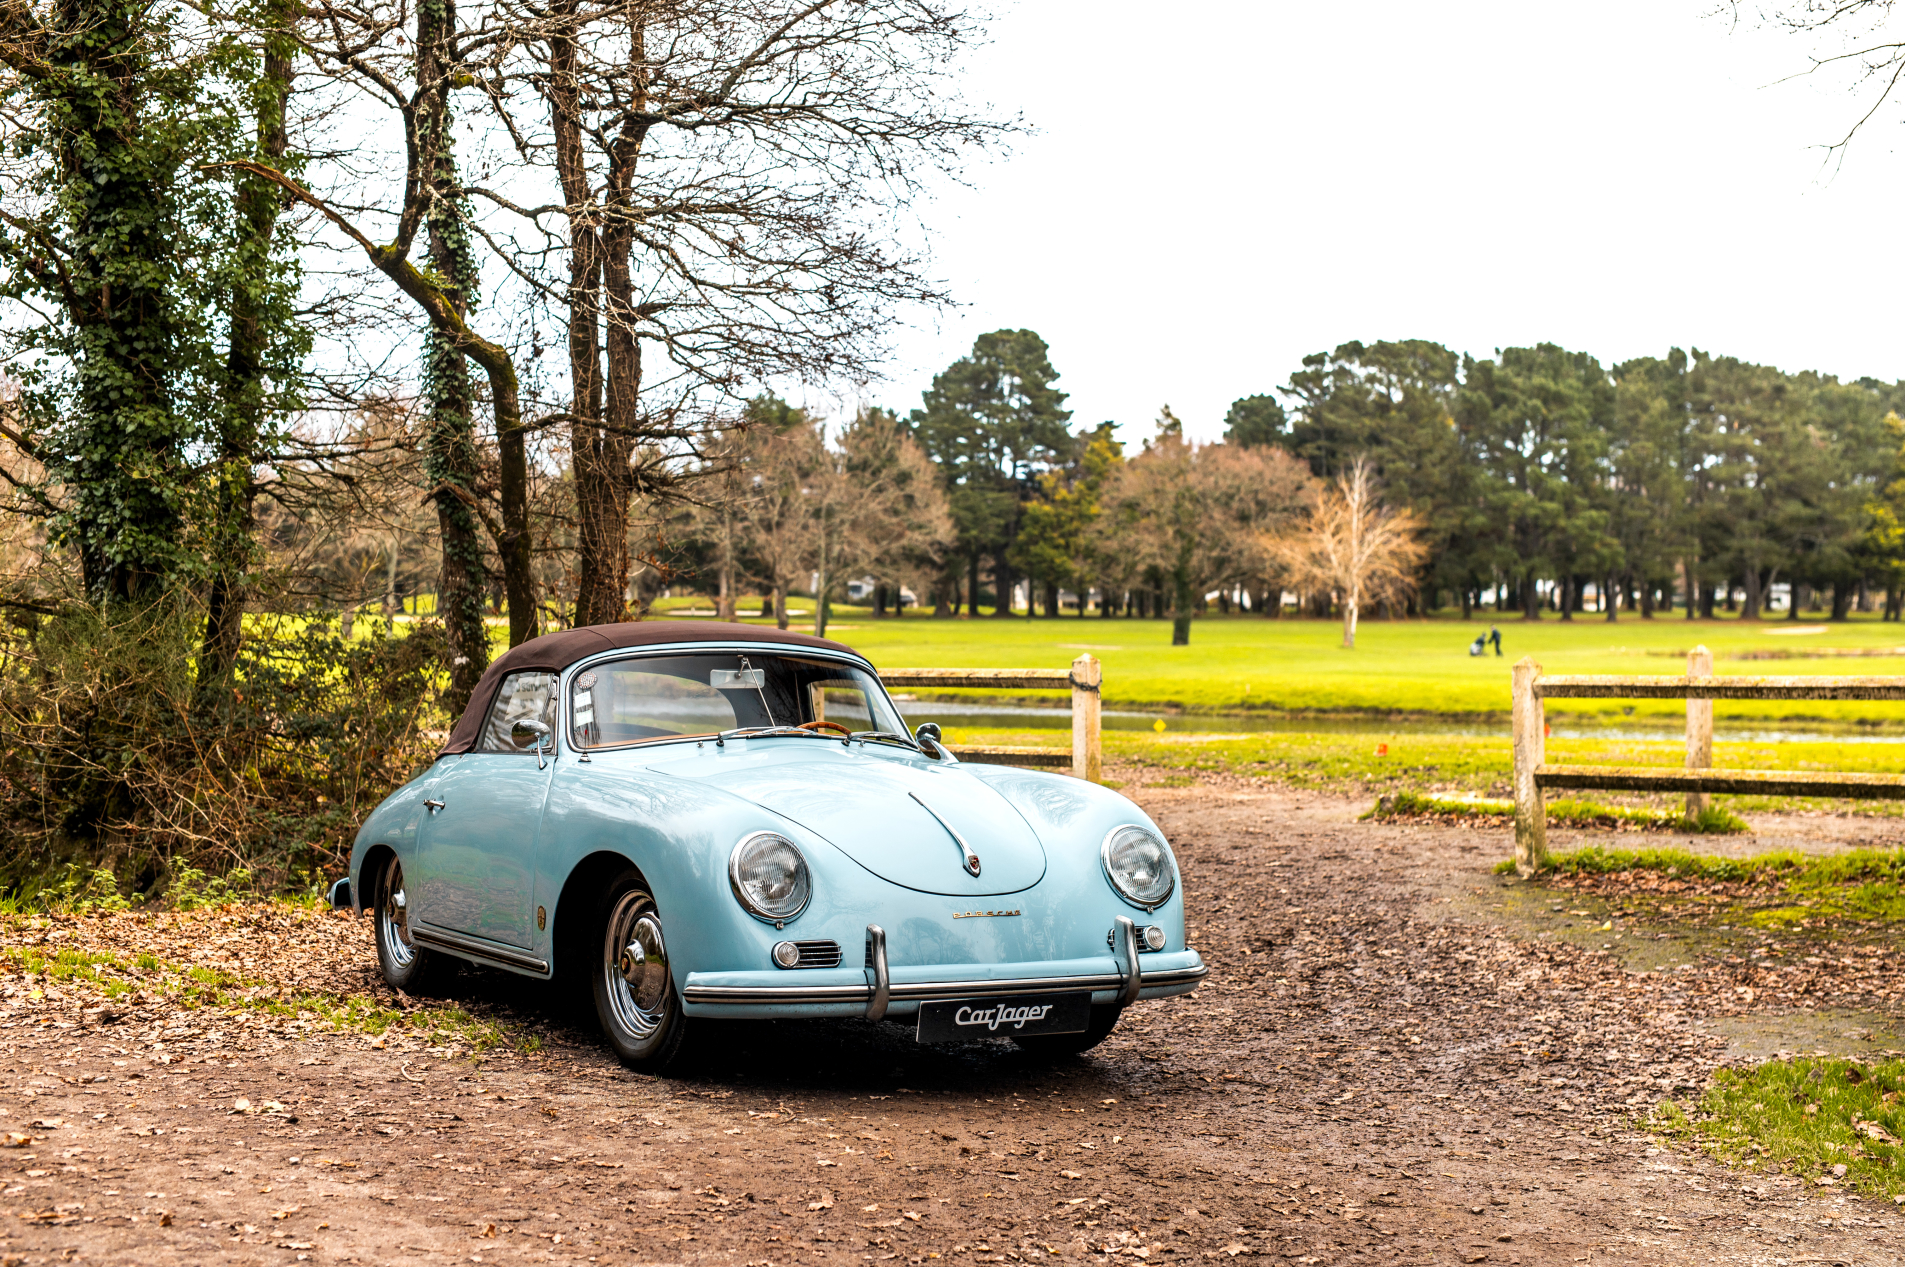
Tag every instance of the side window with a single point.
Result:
(521, 695)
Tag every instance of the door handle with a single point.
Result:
(433, 806)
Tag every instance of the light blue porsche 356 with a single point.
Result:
(701, 820)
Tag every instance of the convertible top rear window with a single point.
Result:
(661, 697)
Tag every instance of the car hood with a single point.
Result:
(892, 816)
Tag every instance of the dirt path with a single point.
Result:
(1372, 1074)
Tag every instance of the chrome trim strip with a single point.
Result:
(459, 944)
(927, 991)
(965, 850)
(566, 676)
(882, 988)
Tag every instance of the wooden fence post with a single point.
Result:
(1529, 723)
(1699, 729)
(1088, 754)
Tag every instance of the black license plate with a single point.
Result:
(964, 1019)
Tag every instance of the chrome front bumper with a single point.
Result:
(882, 992)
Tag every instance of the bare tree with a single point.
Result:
(1353, 544)
(776, 466)
(1198, 514)
(873, 502)
(731, 181)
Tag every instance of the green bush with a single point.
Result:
(113, 755)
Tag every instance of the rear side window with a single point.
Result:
(531, 695)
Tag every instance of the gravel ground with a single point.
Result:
(1398, 1058)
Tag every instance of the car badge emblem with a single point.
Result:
(983, 914)
(965, 850)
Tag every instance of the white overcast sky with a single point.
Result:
(1218, 187)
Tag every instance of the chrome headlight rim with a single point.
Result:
(1111, 874)
(777, 918)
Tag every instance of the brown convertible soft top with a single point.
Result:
(557, 651)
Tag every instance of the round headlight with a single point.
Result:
(1139, 866)
(769, 876)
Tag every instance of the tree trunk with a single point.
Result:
(724, 568)
(120, 454)
(390, 577)
(603, 435)
(1182, 604)
(1051, 601)
(245, 405)
(1350, 604)
(1749, 605)
(1003, 583)
(601, 527)
(1841, 599)
(1531, 598)
(450, 457)
(823, 580)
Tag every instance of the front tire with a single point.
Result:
(1104, 1019)
(408, 968)
(635, 997)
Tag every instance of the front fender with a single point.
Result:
(392, 824)
(1072, 818)
(678, 833)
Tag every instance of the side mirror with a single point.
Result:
(927, 737)
(527, 732)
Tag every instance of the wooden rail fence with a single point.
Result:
(1083, 679)
(1534, 776)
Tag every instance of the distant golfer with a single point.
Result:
(1495, 636)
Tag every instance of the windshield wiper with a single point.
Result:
(763, 732)
(887, 735)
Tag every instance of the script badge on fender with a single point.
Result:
(963, 1020)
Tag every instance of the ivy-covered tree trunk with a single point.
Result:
(120, 452)
(261, 289)
(450, 457)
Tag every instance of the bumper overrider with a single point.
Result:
(878, 991)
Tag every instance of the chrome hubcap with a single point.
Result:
(635, 960)
(395, 917)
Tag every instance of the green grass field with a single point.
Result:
(1415, 667)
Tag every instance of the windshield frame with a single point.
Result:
(566, 702)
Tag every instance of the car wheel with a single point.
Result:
(407, 966)
(635, 996)
(1104, 1019)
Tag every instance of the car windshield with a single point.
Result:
(660, 697)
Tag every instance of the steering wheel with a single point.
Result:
(825, 725)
